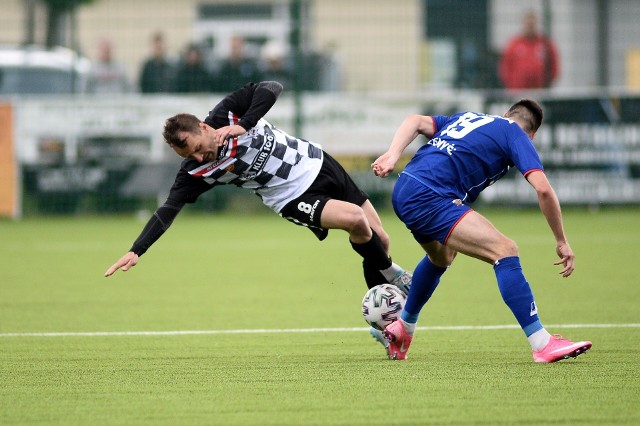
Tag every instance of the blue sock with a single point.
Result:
(426, 277)
(516, 293)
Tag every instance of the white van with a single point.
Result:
(31, 70)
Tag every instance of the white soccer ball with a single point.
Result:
(382, 305)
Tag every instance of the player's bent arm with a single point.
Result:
(411, 127)
(155, 227)
(548, 202)
(264, 97)
(550, 207)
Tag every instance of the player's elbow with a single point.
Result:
(422, 123)
(546, 193)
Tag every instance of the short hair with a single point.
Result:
(529, 112)
(180, 123)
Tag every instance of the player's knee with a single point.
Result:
(442, 258)
(360, 223)
(356, 222)
(507, 248)
(450, 255)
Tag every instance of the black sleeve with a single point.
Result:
(250, 103)
(156, 226)
(185, 189)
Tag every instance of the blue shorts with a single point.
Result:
(428, 215)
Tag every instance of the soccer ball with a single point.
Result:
(382, 305)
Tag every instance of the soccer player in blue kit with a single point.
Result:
(466, 153)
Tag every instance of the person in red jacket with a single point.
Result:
(530, 60)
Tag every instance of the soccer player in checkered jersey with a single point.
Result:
(294, 177)
(466, 153)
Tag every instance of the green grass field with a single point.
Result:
(272, 333)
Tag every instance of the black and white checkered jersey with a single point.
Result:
(276, 166)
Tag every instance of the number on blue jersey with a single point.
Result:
(466, 124)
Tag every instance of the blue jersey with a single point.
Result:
(469, 152)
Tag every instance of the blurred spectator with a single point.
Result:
(530, 59)
(238, 69)
(106, 74)
(192, 75)
(321, 71)
(329, 63)
(157, 71)
(274, 62)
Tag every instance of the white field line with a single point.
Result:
(294, 330)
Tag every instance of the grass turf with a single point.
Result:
(228, 272)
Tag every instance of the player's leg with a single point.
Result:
(364, 239)
(426, 277)
(470, 233)
(475, 236)
(430, 217)
(401, 278)
(316, 210)
(349, 217)
(376, 224)
(319, 212)
(373, 276)
(368, 237)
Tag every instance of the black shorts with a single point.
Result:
(333, 182)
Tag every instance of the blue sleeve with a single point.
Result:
(439, 122)
(524, 154)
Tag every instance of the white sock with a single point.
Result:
(391, 272)
(409, 327)
(539, 339)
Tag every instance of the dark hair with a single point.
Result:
(180, 123)
(529, 112)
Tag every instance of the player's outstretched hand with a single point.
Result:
(125, 263)
(567, 259)
(384, 164)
